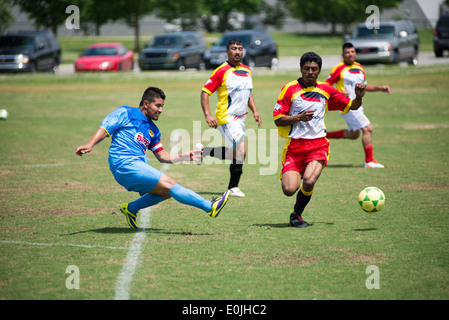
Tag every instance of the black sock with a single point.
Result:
(216, 152)
(236, 172)
(302, 199)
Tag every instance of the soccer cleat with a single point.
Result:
(236, 192)
(297, 221)
(218, 204)
(199, 146)
(373, 164)
(130, 217)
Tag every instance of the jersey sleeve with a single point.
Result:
(282, 106)
(114, 120)
(214, 81)
(334, 76)
(338, 101)
(155, 145)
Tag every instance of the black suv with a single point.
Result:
(177, 50)
(260, 49)
(441, 36)
(29, 51)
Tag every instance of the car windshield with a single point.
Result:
(100, 52)
(383, 32)
(246, 39)
(16, 42)
(166, 42)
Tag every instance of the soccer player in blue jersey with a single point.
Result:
(133, 132)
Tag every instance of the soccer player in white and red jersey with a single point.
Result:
(233, 83)
(345, 75)
(299, 115)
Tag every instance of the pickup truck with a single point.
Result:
(393, 42)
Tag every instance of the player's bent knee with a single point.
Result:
(289, 191)
(163, 186)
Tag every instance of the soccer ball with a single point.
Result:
(3, 114)
(371, 199)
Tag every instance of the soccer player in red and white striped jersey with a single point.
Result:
(299, 115)
(345, 75)
(233, 83)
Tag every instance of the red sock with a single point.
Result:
(369, 153)
(336, 134)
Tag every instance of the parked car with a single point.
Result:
(29, 51)
(113, 56)
(260, 50)
(441, 36)
(177, 50)
(393, 42)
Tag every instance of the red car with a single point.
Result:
(105, 57)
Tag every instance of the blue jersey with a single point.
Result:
(132, 134)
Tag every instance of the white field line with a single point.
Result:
(123, 284)
(62, 244)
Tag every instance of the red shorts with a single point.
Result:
(298, 152)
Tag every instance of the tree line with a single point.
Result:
(193, 14)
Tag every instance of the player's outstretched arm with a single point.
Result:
(165, 157)
(373, 88)
(360, 89)
(98, 136)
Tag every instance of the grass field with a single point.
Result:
(59, 210)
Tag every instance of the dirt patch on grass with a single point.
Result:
(425, 186)
(425, 126)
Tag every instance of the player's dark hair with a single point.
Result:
(151, 94)
(311, 57)
(233, 41)
(347, 45)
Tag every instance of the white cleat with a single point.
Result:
(373, 164)
(236, 192)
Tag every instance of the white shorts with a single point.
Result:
(356, 119)
(232, 132)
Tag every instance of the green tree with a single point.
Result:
(48, 14)
(5, 15)
(224, 8)
(103, 11)
(195, 10)
(336, 12)
(189, 12)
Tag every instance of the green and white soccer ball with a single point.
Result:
(371, 199)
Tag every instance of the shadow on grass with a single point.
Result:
(287, 225)
(123, 230)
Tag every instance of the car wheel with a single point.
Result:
(414, 60)
(201, 66)
(33, 67)
(438, 52)
(274, 63)
(180, 65)
(395, 59)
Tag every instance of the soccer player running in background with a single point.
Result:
(345, 75)
(233, 83)
(133, 131)
(299, 115)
